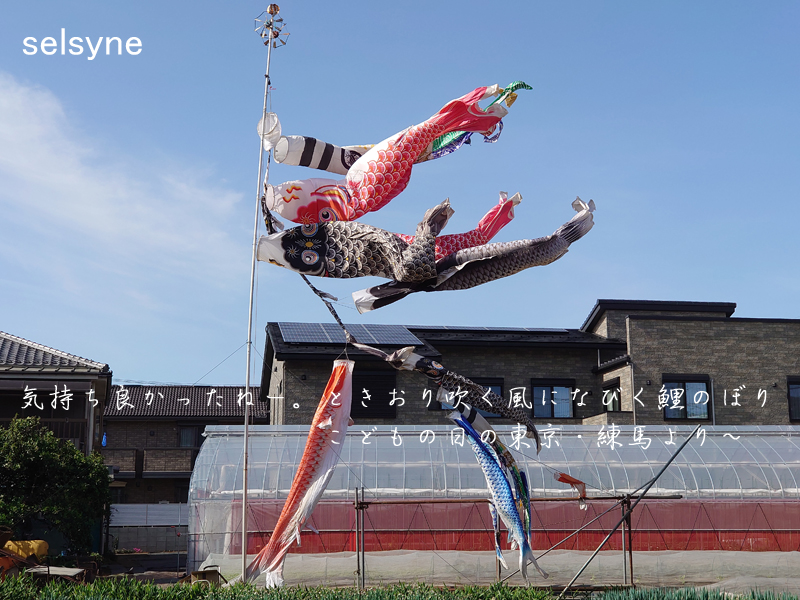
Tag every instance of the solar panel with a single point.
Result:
(331, 333)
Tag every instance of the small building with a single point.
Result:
(631, 362)
(67, 392)
(153, 434)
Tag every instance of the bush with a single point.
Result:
(43, 477)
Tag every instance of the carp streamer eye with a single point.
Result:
(309, 229)
(310, 257)
(326, 214)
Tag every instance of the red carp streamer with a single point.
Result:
(319, 460)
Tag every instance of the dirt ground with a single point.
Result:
(733, 572)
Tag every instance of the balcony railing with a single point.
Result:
(150, 462)
(169, 460)
(124, 458)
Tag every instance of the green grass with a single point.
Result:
(685, 594)
(23, 588)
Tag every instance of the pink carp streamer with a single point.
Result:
(382, 172)
(493, 221)
(319, 459)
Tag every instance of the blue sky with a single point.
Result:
(127, 183)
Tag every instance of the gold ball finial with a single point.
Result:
(273, 9)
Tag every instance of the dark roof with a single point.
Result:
(432, 336)
(131, 401)
(625, 359)
(603, 305)
(514, 337)
(732, 320)
(326, 351)
(18, 354)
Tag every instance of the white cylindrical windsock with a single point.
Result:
(269, 128)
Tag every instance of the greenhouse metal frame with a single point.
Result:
(738, 489)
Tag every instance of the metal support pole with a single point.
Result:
(574, 533)
(628, 520)
(363, 548)
(272, 10)
(624, 558)
(646, 487)
(355, 508)
(358, 547)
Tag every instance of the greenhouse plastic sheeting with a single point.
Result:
(754, 470)
(735, 572)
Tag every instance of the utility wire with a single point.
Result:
(218, 364)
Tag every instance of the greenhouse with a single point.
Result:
(424, 495)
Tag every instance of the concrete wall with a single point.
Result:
(150, 539)
(277, 409)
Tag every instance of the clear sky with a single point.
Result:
(127, 183)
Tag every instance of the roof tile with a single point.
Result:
(185, 401)
(18, 353)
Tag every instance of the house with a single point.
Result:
(67, 392)
(153, 434)
(630, 362)
(723, 370)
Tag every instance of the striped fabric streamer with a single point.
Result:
(302, 151)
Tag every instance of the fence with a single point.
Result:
(149, 527)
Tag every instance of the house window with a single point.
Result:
(793, 386)
(494, 384)
(612, 396)
(372, 394)
(117, 495)
(188, 437)
(552, 398)
(685, 396)
(181, 490)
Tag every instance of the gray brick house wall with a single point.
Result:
(613, 322)
(622, 343)
(755, 353)
(517, 366)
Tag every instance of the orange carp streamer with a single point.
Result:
(320, 457)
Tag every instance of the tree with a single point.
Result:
(47, 478)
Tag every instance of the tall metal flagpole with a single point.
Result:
(269, 30)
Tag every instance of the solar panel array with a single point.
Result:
(331, 333)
